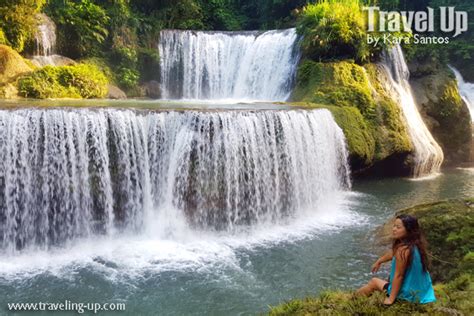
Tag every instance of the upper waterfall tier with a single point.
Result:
(428, 154)
(71, 173)
(228, 65)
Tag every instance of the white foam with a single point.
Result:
(118, 257)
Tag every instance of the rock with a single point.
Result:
(8, 91)
(12, 65)
(52, 60)
(152, 89)
(115, 92)
(376, 135)
(443, 110)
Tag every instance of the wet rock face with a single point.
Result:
(443, 110)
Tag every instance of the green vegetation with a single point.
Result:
(337, 29)
(77, 81)
(125, 33)
(82, 26)
(3, 39)
(333, 29)
(448, 226)
(17, 20)
(454, 298)
(380, 131)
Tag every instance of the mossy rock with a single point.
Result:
(337, 83)
(446, 115)
(74, 81)
(12, 65)
(449, 229)
(347, 85)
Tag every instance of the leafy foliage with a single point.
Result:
(17, 19)
(83, 26)
(77, 81)
(333, 29)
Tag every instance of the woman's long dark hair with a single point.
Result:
(414, 237)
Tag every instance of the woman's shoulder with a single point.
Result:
(403, 252)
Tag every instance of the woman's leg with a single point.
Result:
(375, 284)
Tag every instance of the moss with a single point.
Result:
(347, 85)
(454, 298)
(446, 114)
(339, 83)
(3, 39)
(75, 81)
(453, 131)
(12, 65)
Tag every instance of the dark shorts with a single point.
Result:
(385, 287)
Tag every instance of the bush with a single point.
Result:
(17, 19)
(333, 29)
(77, 81)
(337, 29)
(82, 26)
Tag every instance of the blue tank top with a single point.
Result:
(417, 286)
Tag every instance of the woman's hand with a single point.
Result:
(388, 301)
(376, 266)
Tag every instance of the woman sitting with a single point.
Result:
(409, 278)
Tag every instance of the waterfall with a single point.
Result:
(71, 173)
(228, 65)
(45, 36)
(45, 44)
(466, 89)
(428, 155)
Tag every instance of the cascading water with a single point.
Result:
(45, 37)
(466, 89)
(228, 65)
(45, 44)
(66, 174)
(428, 155)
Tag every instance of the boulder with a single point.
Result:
(115, 92)
(52, 60)
(12, 65)
(443, 110)
(151, 89)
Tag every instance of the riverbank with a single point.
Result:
(449, 229)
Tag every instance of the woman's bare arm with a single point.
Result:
(386, 257)
(401, 257)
